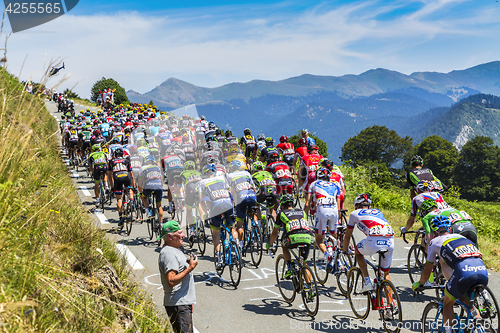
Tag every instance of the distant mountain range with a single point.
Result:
(337, 108)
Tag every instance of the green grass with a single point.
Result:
(52, 276)
(395, 203)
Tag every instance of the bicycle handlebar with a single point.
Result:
(411, 232)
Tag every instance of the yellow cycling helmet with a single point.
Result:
(88, 109)
(81, 111)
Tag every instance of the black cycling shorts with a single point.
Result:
(249, 150)
(98, 171)
(191, 194)
(120, 180)
(465, 229)
(190, 157)
(158, 194)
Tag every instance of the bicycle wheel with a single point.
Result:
(138, 216)
(432, 319)
(150, 222)
(285, 285)
(270, 228)
(485, 302)
(309, 290)
(342, 266)
(129, 218)
(319, 264)
(359, 302)
(390, 310)
(296, 194)
(158, 226)
(178, 210)
(256, 245)
(416, 262)
(235, 264)
(201, 235)
(102, 195)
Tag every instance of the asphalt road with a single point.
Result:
(255, 305)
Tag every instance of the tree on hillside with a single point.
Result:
(120, 96)
(375, 144)
(477, 171)
(439, 155)
(294, 139)
(70, 94)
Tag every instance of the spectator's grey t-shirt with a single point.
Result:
(172, 259)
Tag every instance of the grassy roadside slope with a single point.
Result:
(53, 276)
(395, 203)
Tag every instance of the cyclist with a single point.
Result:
(172, 166)
(244, 196)
(122, 177)
(261, 142)
(295, 231)
(305, 135)
(300, 152)
(461, 222)
(270, 149)
(461, 264)
(210, 152)
(336, 177)
(250, 146)
(417, 173)
(326, 196)
(281, 174)
(424, 193)
(379, 236)
(287, 150)
(230, 139)
(149, 181)
(213, 192)
(309, 165)
(265, 188)
(98, 167)
(190, 178)
(72, 139)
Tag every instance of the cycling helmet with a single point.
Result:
(427, 206)
(118, 152)
(218, 131)
(229, 133)
(96, 147)
(209, 169)
(161, 130)
(362, 198)
(326, 163)
(269, 141)
(132, 149)
(323, 174)
(189, 165)
(273, 157)
(202, 117)
(213, 160)
(97, 132)
(286, 199)
(423, 186)
(235, 165)
(116, 140)
(311, 148)
(247, 131)
(440, 221)
(257, 166)
(211, 126)
(185, 138)
(150, 159)
(283, 138)
(302, 141)
(417, 160)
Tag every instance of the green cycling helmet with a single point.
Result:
(96, 147)
(257, 166)
(189, 165)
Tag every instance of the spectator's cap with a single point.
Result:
(169, 227)
(305, 130)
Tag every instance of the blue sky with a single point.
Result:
(211, 43)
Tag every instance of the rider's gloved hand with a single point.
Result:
(403, 230)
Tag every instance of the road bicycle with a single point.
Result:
(154, 223)
(200, 235)
(296, 194)
(178, 198)
(231, 254)
(417, 257)
(339, 263)
(300, 281)
(129, 209)
(267, 221)
(105, 196)
(479, 316)
(252, 239)
(383, 299)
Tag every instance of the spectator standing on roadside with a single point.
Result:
(177, 278)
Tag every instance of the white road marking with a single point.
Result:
(407, 247)
(131, 259)
(85, 191)
(74, 174)
(102, 218)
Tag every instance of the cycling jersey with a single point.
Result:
(268, 151)
(282, 176)
(415, 175)
(265, 188)
(150, 177)
(417, 201)
(461, 222)
(310, 164)
(237, 157)
(214, 191)
(295, 227)
(242, 185)
(190, 179)
(250, 144)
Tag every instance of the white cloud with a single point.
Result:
(213, 47)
